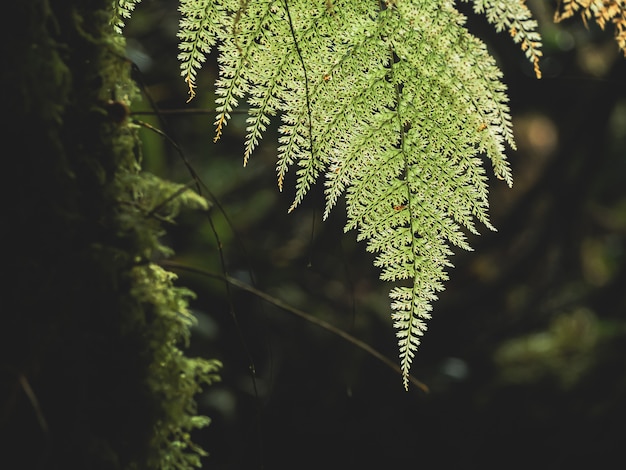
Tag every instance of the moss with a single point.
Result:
(94, 331)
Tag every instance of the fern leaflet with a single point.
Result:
(515, 17)
(122, 9)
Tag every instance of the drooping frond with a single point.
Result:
(122, 10)
(393, 104)
(603, 11)
(515, 17)
(414, 179)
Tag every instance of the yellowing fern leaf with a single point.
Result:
(603, 11)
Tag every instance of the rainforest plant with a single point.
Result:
(392, 104)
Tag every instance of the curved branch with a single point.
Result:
(299, 313)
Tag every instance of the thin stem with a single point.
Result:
(299, 313)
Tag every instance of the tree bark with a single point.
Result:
(91, 371)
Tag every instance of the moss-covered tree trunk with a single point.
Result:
(92, 374)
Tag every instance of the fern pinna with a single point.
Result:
(392, 103)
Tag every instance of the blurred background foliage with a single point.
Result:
(525, 354)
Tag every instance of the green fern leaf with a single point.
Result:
(415, 180)
(393, 104)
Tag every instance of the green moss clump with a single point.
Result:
(94, 331)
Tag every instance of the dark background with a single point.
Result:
(524, 356)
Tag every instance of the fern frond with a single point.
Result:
(122, 10)
(414, 180)
(603, 11)
(393, 105)
(516, 18)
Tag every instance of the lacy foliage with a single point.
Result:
(603, 11)
(392, 104)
